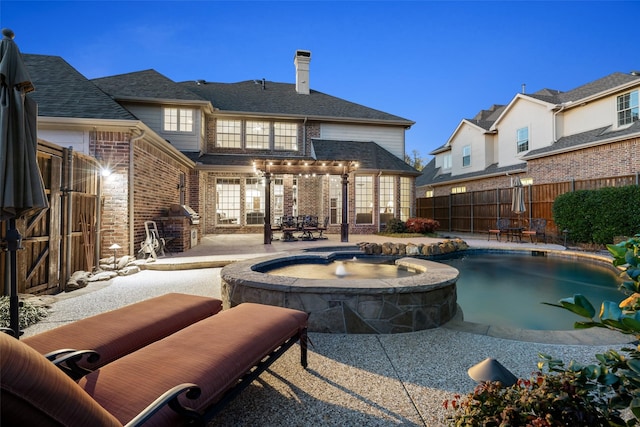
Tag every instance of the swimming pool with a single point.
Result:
(507, 289)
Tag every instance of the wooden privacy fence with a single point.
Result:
(53, 242)
(477, 211)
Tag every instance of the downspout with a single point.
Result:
(131, 188)
(554, 125)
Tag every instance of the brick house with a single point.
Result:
(548, 136)
(302, 141)
(215, 146)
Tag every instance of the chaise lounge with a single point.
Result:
(186, 377)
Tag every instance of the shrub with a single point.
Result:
(596, 216)
(544, 400)
(394, 225)
(422, 225)
(29, 314)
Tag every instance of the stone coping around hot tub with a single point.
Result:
(254, 273)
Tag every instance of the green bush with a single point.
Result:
(394, 225)
(597, 216)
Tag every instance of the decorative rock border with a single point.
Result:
(422, 301)
(411, 249)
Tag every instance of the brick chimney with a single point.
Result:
(302, 60)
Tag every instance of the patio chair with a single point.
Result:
(502, 226)
(322, 228)
(537, 228)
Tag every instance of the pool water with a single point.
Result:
(348, 269)
(508, 290)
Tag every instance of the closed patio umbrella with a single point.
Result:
(21, 188)
(517, 196)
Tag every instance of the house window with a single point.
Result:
(335, 199)
(526, 181)
(364, 199)
(458, 190)
(405, 198)
(387, 200)
(522, 139)
(466, 155)
(254, 201)
(428, 193)
(446, 161)
(227, 201)
(628, 108)
(285, 136)
(228, 133)
(178, 119)
(257, 135)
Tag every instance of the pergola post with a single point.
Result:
(344, 227)
(267, 208)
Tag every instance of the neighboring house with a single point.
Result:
(243, 135)
(548, 136)
(214, 147)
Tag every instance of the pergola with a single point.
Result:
(268, 167)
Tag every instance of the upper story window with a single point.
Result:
(428, 193)
(628, 108)
(285, 136)
(446, 161)
(522, 139)
(178, 119)
(229, 133)
(466, 155)
(257, 134)
(459, 190)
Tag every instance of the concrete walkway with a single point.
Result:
(399, 379)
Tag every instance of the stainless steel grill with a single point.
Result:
(184, 210)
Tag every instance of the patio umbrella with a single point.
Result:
(517, 196)
(21, 187)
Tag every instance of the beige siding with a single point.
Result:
(151, 115)
(390, 138)
(77, 140)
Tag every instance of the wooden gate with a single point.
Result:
(53, 242)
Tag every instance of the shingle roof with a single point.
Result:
(147, 84)
(369, 155)
(584, 138)
(282, 98)
(609, 82)
(61, 91)
(431, 175)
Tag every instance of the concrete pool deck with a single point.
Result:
(399, 379)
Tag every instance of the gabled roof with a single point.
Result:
(281, 99)
(483, 121)
(145, 85)
(61, 91)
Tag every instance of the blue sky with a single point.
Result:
(433, 62)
